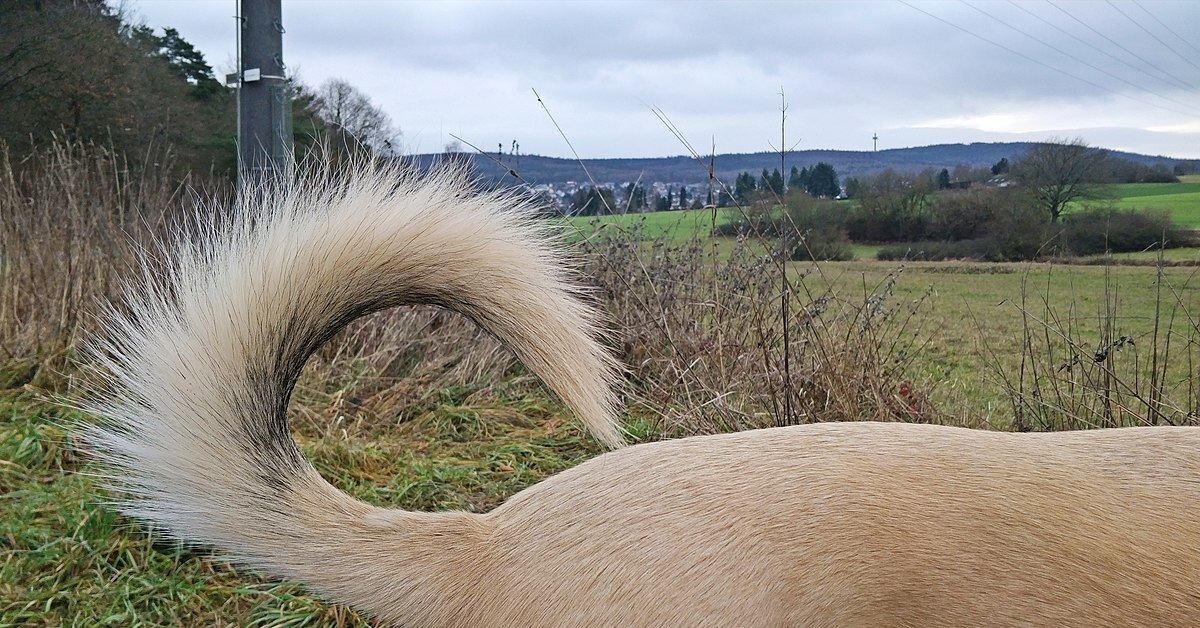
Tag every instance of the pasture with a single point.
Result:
(675, 225)
(1181, 199)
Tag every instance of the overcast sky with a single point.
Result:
(1119, 75)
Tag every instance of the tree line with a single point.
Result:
(1055, 199)
(80, 70)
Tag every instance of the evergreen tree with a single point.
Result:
(823, 181)
(182, 58)
(744, 188)
(854, 187)
(592, 201)
(636, 193)
(943, 179)
(794, 181)
(776, 182)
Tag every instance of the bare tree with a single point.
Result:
(350, 112)
(1056, 173)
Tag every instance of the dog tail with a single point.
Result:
(200, 359)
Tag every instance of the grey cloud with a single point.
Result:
(847, 67)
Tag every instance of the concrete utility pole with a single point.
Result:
(264, 101)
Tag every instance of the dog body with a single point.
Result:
(824, 525)
(863, 524)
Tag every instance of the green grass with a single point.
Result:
(1181, 199)
(674, 225)
(971, 323)
(66, 560)
(1186, 255)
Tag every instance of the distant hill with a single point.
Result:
(536, 170)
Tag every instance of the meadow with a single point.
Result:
(1181, 199)
(399, 414)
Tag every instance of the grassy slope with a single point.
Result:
(1181, 199)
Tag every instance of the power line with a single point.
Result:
(1069, 55)
(1111, 41)
(1046, 65)
(1094, 47)
(1168, 28)
(1077, 59)
(1147, 31)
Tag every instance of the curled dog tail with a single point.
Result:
(200, 360)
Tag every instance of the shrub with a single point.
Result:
(965, 214)
(814, 229)
(718, 339)
(807, 228)
(1013, 234)
(892, 207)
(1105, 230)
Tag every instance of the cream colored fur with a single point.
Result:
(822, 525)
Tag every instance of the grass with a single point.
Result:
(675, 225)
(1181, 199)
(973, 321)
(65, 560)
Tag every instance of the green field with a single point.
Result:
(673, 225)
(972, 317)
(1181, 199)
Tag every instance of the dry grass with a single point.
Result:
(72, 217)
(1123, 365)
(717, 339)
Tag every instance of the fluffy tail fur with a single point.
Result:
(201, 362)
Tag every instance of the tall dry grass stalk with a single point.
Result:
(1091, 369)
(75, 218)
(72, 216)
(703, 334)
